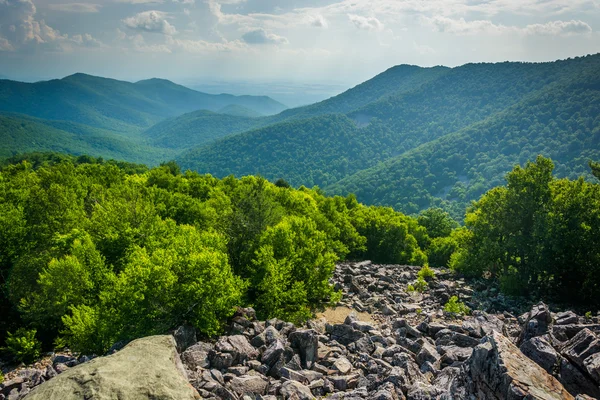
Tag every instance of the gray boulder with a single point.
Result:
(498, 371)
(147, 368)
(307, 344)
(295, 391)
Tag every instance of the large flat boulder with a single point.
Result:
(147, 368)
(500, 371)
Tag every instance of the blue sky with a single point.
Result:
(328, 41)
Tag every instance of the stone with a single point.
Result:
(342, 365)
(427, 353)
(307, 344)
(575, 381)
(273, 353)
(592, 366)
(537, 324)
(246, 384)
(345, 334)
(344, 382)
(238, 346)
(498, 370)
(296, 391)
(196, 356)
(539, 350)
(147, 368)
(454, 354)
(580, 347)
(185, 336)
(566, 318)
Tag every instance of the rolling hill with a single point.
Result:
(326, 149)
(21, 133)
(116, 105)
(561, 122)
(410, 137)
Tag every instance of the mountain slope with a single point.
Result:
(326, 149)
(197, 128)
(395, 80)
(239, 111)
(21, 133)
(561, 122)
(113, 104)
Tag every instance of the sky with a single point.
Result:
(328, 42)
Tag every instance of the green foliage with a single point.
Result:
(292, 269)
(537, 235)
(456, 307)
(588, 315)
(440, 250)
(437, 222)
(557, 118)
(390, 236)
(93, 253)
(23, 345)
(1, 378)
(420, 285)
(426, 273)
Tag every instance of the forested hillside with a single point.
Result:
(21, 133)
(116, 105)
(324, 150)
(561, 122)
(410, 137)
(95, 252)
(198, 128)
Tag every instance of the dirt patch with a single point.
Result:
(338, 315)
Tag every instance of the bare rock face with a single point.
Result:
(147, 368)
(499, 370)
(538, 323)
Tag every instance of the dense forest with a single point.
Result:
(440, 140)
(94, 252)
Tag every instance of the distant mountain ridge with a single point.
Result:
(410, 137)
(355, 151)
(117, 105)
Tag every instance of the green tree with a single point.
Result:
(292, 269)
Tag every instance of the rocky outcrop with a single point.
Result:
(402, 345)
(500, 371)
(147, 368)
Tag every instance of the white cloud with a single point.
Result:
(318, 21)
(202, 46)
(261, 36)
(19, 28)
(462, 27)
(366, 23)
(559, 28)
(76, 7)
(150, 21)
(5, 45)
(423, 49)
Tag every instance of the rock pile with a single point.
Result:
(414, 350)
(408, 348)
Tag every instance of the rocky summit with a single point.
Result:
(382, 342)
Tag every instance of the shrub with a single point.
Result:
(454, 306)
(440, 250)
(426, 273)
(1, 378)
(588, 315)
(23, 345)
(419, 286)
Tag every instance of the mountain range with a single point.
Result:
(410, 137)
